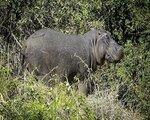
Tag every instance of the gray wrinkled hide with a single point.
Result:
(52, 52)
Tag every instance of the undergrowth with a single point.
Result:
(26, 97)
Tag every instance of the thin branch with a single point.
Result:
(18, 43)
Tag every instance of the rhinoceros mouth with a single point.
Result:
(114, 54)
(109, 57)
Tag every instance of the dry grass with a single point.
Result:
(107, 106)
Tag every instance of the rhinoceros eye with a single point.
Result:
(107, 37)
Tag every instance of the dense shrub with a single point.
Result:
(22, 18)
(33, 100)
(126, 19)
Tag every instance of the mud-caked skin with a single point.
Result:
(52, 52)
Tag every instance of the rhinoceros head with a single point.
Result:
(105, 47)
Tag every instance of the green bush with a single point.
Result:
(33, 100)
(126, 19)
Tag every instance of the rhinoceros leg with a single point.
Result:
(86, 87)
(86, 84)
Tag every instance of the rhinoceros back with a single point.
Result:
(48, 49)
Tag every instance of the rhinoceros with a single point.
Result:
(53, 52)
